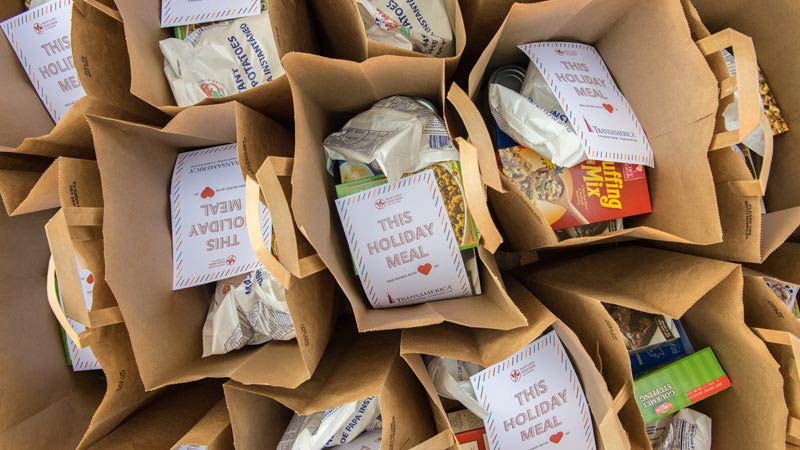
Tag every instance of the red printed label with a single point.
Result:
(708, 389)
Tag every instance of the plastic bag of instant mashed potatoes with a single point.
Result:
(420, 25)
(334, 427)
(398, 133)
(221, 59)
(248, 309)
(451, 379)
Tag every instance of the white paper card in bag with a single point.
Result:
(597, 110)
(209, 231)
(185, 12)
(41, 40)
(535, 400)
(403, 243)
(81, 358)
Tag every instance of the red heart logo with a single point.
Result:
(207, 193)
(608, 107)
(90, 279)
(425, 268)
(556, 438)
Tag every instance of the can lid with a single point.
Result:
(426, 103)
(511, 77)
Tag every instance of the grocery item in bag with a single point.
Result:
(641, 329)
(422, 26)
(546, 131)
(246, 309)
(685, 430)
(679, 384)
(334, 427)
(451, 379)
(221, 59)
(398, 134)
(590, 192)
(786, 293)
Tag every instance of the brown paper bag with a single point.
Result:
(136, 164)
(28, 147)
(342, 32)
(770, 26)
(774, 323)
(488, 347)
(181, 411)
(748, 235)
(327, 92)
(212, 432)
(354, 367)
(674, 102)
(706, 295)
(126, 65)
(47, 405)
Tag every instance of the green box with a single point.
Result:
(680, 384)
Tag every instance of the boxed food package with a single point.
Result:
(590, 192)
(680, 384)
(469, 430)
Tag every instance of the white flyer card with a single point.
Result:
(402, 242)
(41, 40)
(535, 400)
(597, 110)
(81, 358)
(186, 12)
(209, 231)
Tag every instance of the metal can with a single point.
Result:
(511, 77)
(426, 103)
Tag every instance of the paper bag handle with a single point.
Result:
(790, 340)
(476, 197)
(99, 318)
(745, 82)
(758, 187)
(268, 185)
(608, 426)
(478, 136)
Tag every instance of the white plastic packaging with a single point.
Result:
(248, 309)
(685, 430)
(755, 140)
(221, 59)
(371, 440)
(451, 379)
(334, 427)
(534, 118)
(398, 133)
(419, 25)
